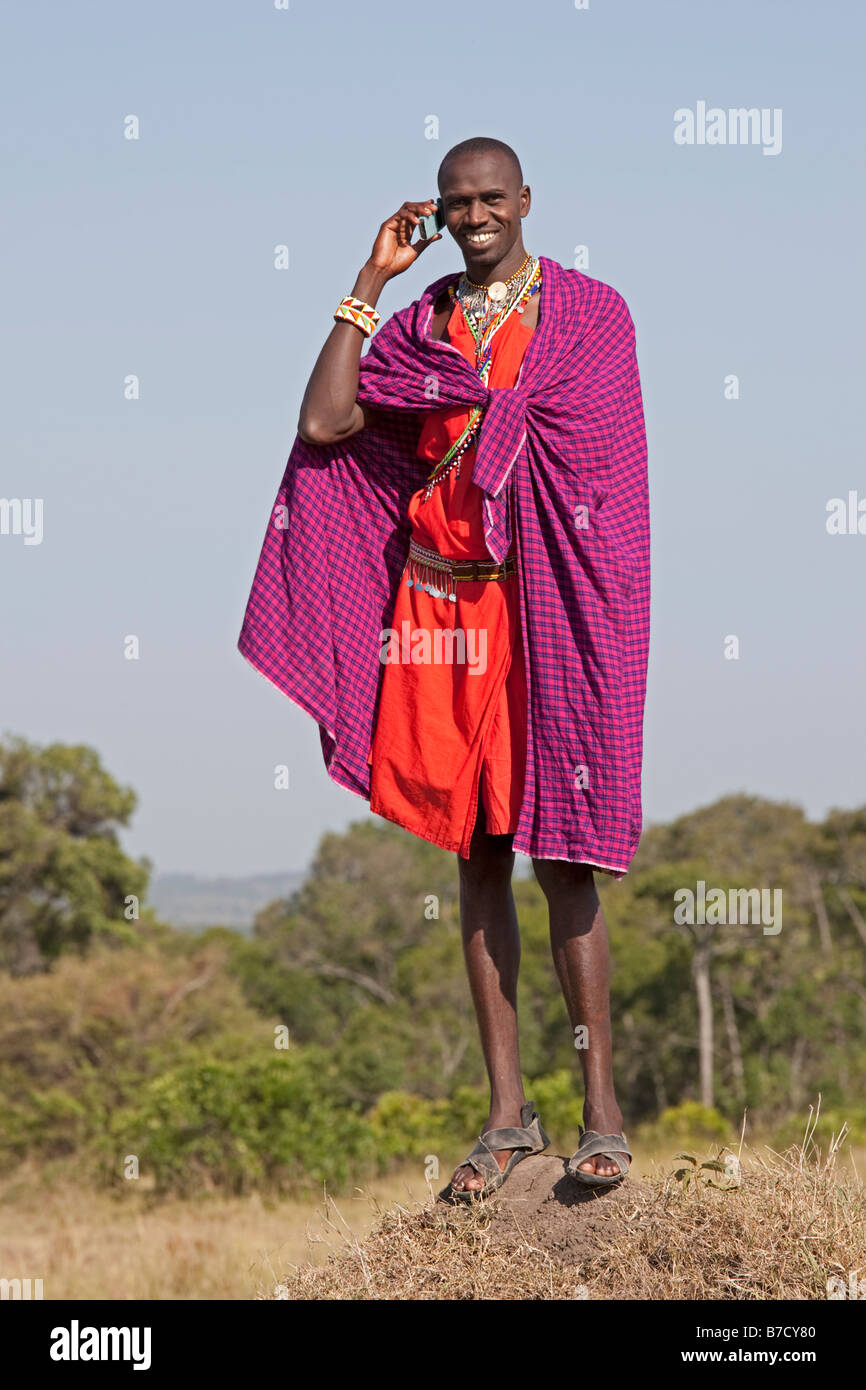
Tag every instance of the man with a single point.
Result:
(552, 476)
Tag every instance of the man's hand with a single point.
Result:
(393, 251)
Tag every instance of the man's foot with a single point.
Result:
(604, 1118)
(465, 1178)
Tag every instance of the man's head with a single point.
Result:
(483, 199)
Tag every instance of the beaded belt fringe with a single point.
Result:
(429, 570)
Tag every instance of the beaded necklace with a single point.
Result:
(485, 314)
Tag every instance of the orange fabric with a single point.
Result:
(441, 727)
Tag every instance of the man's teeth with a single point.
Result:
(480, 236)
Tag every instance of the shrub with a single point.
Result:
(686, 1122)
(278, 1122)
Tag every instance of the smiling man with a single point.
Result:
(481, 469)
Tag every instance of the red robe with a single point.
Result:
(441, 725)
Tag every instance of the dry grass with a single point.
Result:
(87, 1244)
(432, 1254)
(791, 1222)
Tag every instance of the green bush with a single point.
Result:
(406, 1126)
(793, 1130)
(686, 1123)
(80, 1044)
(278, 1122)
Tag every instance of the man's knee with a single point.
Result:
(559, 876)
(491, 858)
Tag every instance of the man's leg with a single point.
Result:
(578, 940)
(491, 947)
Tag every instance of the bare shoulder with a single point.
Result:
(530, 313)
(442, 307)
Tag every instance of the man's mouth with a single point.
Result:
(479, 238)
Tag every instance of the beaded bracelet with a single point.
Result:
(355, 311)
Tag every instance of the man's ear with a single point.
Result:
(525, 193)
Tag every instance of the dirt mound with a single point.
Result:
(779, 1231)
(542, 1205)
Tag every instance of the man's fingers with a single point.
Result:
(403, 223)
(410, 212)
(406, 224)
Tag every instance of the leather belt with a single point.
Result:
(431, 571)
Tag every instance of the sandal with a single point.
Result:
(592, 1143)
(528, 1139)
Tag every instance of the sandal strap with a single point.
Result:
(482, 1160)
(510, 1137)
(528, 1113)
(592, 1143)
(516, 1137)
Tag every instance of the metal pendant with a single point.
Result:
(498, 290)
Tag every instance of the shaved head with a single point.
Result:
(481, 144)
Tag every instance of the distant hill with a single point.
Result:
(185, 900)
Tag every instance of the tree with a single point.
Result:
(370, 894)
(64, 880)
(775, 1000)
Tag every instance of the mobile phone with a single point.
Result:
(429, 226)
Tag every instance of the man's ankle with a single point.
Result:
(501, 1111)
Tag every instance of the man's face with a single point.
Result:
(483, 204)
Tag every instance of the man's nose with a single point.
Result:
(476, 213)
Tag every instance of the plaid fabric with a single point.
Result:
(561, 457)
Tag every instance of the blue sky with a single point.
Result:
(306, 127)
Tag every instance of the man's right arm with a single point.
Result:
(329, 410)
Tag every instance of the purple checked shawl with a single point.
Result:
(561, 458)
